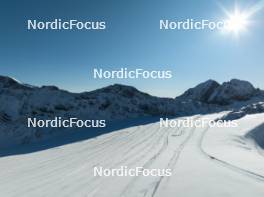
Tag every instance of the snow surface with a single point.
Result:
(234, 147)
(205, 163)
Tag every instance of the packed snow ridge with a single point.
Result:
(115, 102)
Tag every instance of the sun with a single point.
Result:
(236, 22)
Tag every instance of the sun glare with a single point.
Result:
(236, 22)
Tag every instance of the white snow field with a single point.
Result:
(205, 163)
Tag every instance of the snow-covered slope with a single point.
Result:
(237, 147)
(257, 136)
(68, 170)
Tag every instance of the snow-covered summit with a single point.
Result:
(234, 90)
(8, 82)
(224, 94)
(201, 92)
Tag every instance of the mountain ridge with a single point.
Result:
(113, 103)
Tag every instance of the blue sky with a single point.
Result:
(132, 39)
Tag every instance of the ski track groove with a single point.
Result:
(111, 151)
(174, 159)
(164, 147)
(141, 145)
(66, 167)
(100, 179)
(68, 155)
(142, 154)
(226, 164)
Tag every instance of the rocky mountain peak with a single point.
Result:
(8, 82)
(201, 92)
(213, 93)
(234, 90)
